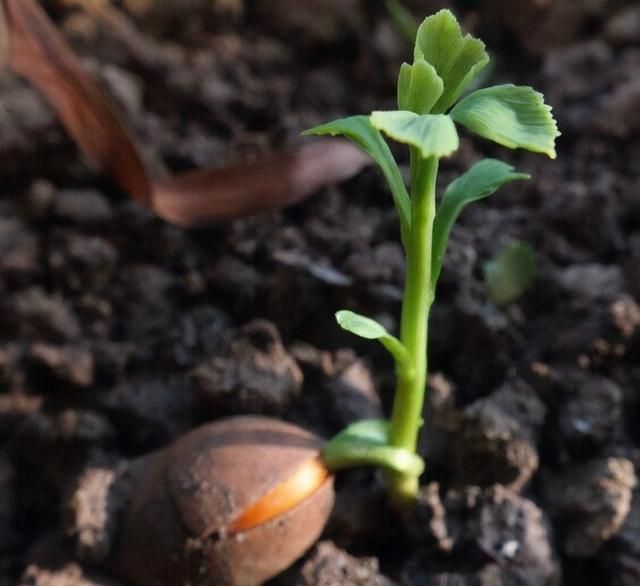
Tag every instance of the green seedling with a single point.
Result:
(510, 273)
(235, 501)
(430, 109)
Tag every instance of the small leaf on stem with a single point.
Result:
(367, 443)
(419, 87)
(434, 135)
(367, 328)
(359, 130)
(513, 116)
(483, 179)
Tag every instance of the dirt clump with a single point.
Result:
(593, 500)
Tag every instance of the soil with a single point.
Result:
(119, 331)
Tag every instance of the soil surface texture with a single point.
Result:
(119, 332)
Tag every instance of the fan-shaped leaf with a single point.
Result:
(457, 59)
(434, 135)
(513, 116)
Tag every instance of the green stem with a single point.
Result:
(406, 418)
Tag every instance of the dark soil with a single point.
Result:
(119, 332)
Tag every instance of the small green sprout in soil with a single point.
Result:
(510, 273)
(430, 106)
(234, 502)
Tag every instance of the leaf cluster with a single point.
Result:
(431, 104)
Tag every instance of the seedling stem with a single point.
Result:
(406, 418)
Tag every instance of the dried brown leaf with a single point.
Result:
(275, 181)
(4, 39)
(37, 51)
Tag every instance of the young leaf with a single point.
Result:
(513, 116)
(510, 273)
(372, 431)
(434, 135)
(457, 59)
(419, 87)
(359, 130)
(366, 443)
(367, 328)
(483, 179)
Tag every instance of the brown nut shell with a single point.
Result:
(176, 529)
(252, 557)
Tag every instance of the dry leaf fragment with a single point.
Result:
(275, 181)
(37, 51)
(4, 39)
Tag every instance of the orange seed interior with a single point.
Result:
(286, 495)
